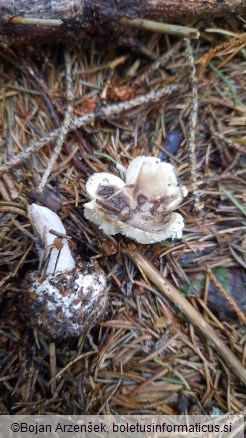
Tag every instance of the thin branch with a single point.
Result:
(191, 143)
(111, 111)
(156, 26)
(65, 126)
(36, 21)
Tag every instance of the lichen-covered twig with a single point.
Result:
(191, 142)
(111, 111)
(160, 61)
(65, 125)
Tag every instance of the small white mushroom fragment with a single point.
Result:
(141, 207)
(66, 298)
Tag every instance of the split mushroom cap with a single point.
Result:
(141, 207)
(69, 297)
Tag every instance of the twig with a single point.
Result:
(112, 111)
(232, 303)
(36, 21)
(139, 23)
(155, 26)
(161, 61)
(65, 126)
(189, 311)
(191, 142)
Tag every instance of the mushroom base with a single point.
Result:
(67, 304)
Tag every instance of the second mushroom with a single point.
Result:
(141, 207)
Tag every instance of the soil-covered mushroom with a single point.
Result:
(63, 298)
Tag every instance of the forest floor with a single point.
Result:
(145, 356)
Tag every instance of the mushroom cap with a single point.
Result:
(67, 304)
(141, 208)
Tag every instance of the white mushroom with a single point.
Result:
(141, 207)
(68, 297)
(44, 219)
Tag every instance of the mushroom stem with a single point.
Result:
(44, 220)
